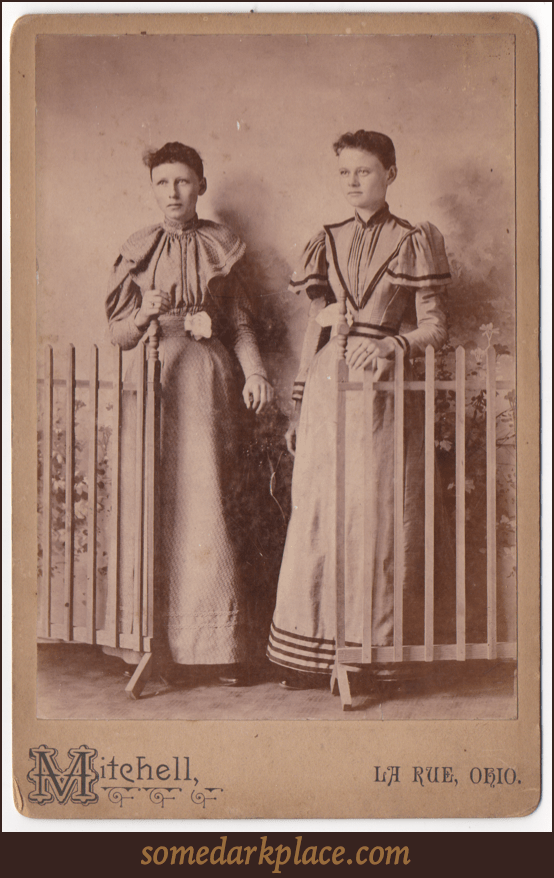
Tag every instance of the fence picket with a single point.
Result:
(152, 479)
(69, 496)
(342, 375)
(112, 604)
(398, 502)
(429, 501)
(369, 516)
(460, 504)
(92, 518)
(491, 502)
(47, 421)
(139, 504)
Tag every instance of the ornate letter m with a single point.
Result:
(74, 783)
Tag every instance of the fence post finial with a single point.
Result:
(153, 342)
(342, 326)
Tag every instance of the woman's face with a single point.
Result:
(364, 180)
(176, 189)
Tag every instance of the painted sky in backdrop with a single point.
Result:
(264, 111)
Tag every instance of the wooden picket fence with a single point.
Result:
(148, 398)
(428, 651)
(142, 637)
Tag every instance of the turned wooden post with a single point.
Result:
(152, 346)
(153, 404)
(339, 678)
(342, 328)
(150, 541)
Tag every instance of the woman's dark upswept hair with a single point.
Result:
(172, 153)
(370, 141)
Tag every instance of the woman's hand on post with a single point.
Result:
(154, 303)
(363, 351)
(257, 393)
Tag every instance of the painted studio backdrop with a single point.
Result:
(263, 111)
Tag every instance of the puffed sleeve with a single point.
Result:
(122, 305)
(421, 261)
(310, 275)
(422, 265)
(124, 297)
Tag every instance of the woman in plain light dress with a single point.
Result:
(393, 274)
(184, 272)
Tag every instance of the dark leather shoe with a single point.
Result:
(298, 680)
(180, 676)
(237, 675)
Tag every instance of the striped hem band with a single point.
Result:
(301, 653)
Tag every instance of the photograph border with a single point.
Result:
(252, 798)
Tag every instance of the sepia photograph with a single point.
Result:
(298, 479)
(276, 364)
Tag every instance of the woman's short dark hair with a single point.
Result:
(172, 153)
(370, 141)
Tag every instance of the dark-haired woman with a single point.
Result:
(184, 272)
(393, 274)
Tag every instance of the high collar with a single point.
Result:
(177, 227)
(380, 216)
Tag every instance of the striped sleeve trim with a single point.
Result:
(420, 278)
(298, 390)
(403, 342)
(309, 277)
(313, 289)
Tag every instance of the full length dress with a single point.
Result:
(393, 275)
(202, 598)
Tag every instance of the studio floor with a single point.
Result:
(80, 682)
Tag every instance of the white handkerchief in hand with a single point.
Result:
(199, 325)
(330, 316)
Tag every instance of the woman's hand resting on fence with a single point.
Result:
(154, 303)
(363, 351)
(257, 393)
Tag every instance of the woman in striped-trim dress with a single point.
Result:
(393, 275)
